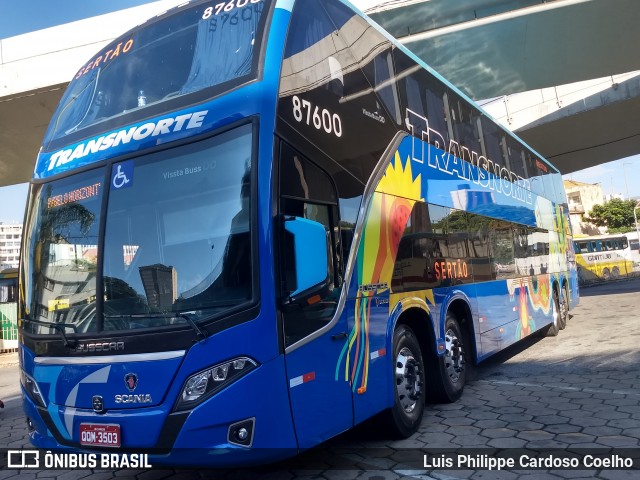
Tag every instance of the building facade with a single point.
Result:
(10, 237)
(582, 198)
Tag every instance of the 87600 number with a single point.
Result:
(321, 118)
(226, 7)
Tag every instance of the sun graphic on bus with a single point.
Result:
(398, 180)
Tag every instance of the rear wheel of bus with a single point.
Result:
(564, 306)
(447, 373)
(558, 321)
(404, 417)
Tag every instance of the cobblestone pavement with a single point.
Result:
(580, 389)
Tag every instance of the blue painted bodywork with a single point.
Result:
(300, 398)
(202, 439)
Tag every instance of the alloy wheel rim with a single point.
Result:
(564, 307)
(408, 379)
(454, 356)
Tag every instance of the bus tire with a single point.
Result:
(447, 374)
(564, 307)
(404, 418)
(606, 274)
(615, 273)
(553, 329)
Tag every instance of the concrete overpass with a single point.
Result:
(495, 47)
(576, 125)
(35, 69)
(486, 47)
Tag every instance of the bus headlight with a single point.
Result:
(206, 383)
(32, 389)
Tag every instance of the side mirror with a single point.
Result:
(309, 253)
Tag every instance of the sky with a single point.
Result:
(621, 176)
(19, 17)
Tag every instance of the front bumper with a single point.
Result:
(199, 437)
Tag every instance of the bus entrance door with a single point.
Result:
(321, 404)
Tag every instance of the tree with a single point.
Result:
(616, 215)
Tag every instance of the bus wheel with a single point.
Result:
(606, 274)
(563, 307)
(615, 273)
(448, 375)
(553, 329)
(404, 417)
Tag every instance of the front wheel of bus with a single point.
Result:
(404, 417)
(449, 371)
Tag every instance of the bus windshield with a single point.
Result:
(199, 48)
(177, 239)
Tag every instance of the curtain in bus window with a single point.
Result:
(414, 99)
(224, 48)
(385, 84)
(435, 109)
(76, 110)
(516, 158)
(467, 131)
(492, 140)
(316, 26)
(313, 54)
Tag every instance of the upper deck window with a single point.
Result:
(197, 51)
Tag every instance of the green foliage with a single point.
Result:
(616, 215)
(622, 229)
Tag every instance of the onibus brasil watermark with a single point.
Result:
(71, 460)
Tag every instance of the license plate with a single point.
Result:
(100, 434)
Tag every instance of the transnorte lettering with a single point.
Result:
(456, 159)
(122, 137)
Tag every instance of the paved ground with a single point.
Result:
(578, 390)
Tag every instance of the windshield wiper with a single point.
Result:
(60, 327)
(186, 316)
(201, 332)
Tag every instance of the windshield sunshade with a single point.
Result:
(200, 48)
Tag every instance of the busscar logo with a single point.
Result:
(99, 347)
(131, 381)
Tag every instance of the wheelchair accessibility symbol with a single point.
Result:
(122, 175)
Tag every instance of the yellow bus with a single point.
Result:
(607, 257)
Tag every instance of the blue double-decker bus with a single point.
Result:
(254, 224)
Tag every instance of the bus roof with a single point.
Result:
(427, 67)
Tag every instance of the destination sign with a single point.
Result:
(82, 193)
